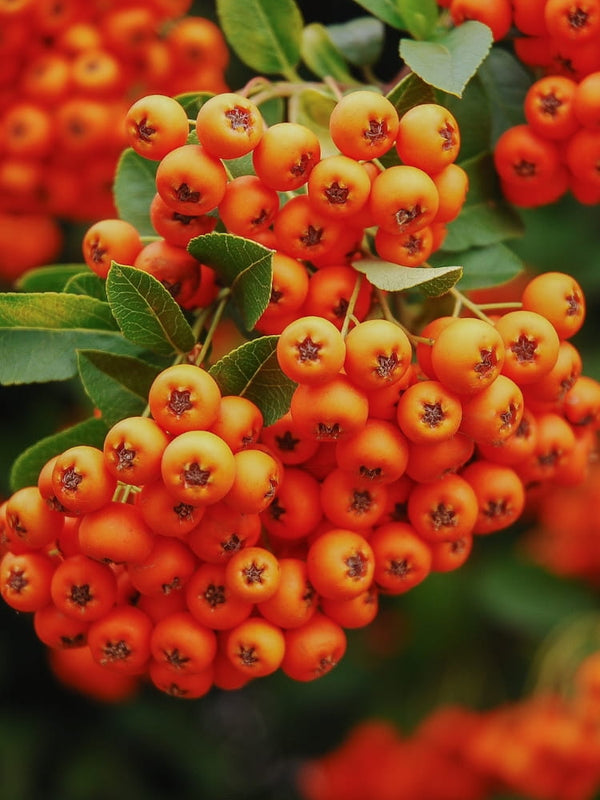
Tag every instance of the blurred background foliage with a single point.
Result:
(470, 636)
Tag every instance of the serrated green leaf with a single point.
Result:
(54, 310)
(252, 371)
(505, 81)
(39, 355)
(313, 110)
(117, 385)
(26, 468)
(386, 10)
(483, 266)
(482, 224)
(449, 62)
(88, 284)
(432, 282)
(243, 265)
(134, 188)
(145, 311)
(360, 40)
(50, 278)
(420, 16)
(265, 34)
(410, 91)
(322, 57)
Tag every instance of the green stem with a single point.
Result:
(389, 316)
(462, 300)
(222, 301)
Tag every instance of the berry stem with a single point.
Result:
(349, 317)
(219, 308)
(463, 301)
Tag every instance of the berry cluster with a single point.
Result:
(544, 746)
(69, 72)
(557, 149)
(200, 547)
(312, 211)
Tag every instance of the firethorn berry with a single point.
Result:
(223, 532)
(408, 250)
(514, 448)
(494, 413)
(496, 14)
(81, 480)
(524, 157)
(120, 639)
(184, 397)
(182, 644)
(285, 155)
(445, 509)
(289, 289)
(249, 206)
(190, 180)
(76, 668)
(581, 155)
(581, 404)
(257, 477)
(210, 600)
(531, 345)
(304, 232)
(428, 412)
(378, 353)
(314, 648)
(384, 400)
(403, 199)
(311, 350)
(187, 685)
(338, 186)
(449, 556)
(329, 410)
(428, 137)
(569, 22)
(159, 606)
(256, 646)
(56, 630)
(176, 228)
(340, 563)
(155, 125)
(467, 355)
(553, 386)
(356, 612)
(402, 558)
(452, 183)
(429, 461)
(330, 291)
(165, 515)
(586, 105)
(289, 444)
(349, 502)
(554, 441)
(295, 600)
(500, 495)
(198, 467)
(110, 240)
(549, 108)
(25, 580)
(239, 422)
(363, 125)
(166, 569)
(253, 574)
(133, 449)
(296, 508)
(30, 521)
(423, 349)
(174, 267)
(558, 297)
(229, 125)
(83, 588)
(116, 533)
(377, 453)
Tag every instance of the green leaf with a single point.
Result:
(26, 468)
(360, 40)
(472, 113)
(252, 371)
(134, 189)
(410, 91)
(505, 81)
(483, 266)
(39, 355)
(117, 385)
(322, 57)
(192, 102)
(243, 265)
(313, 110)
(54, 310)
(265, 34)
(51, 278)
(386, 10)
(86, 283)
(432, 282)
(421, 17)
(146, 312)
(451, 60)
